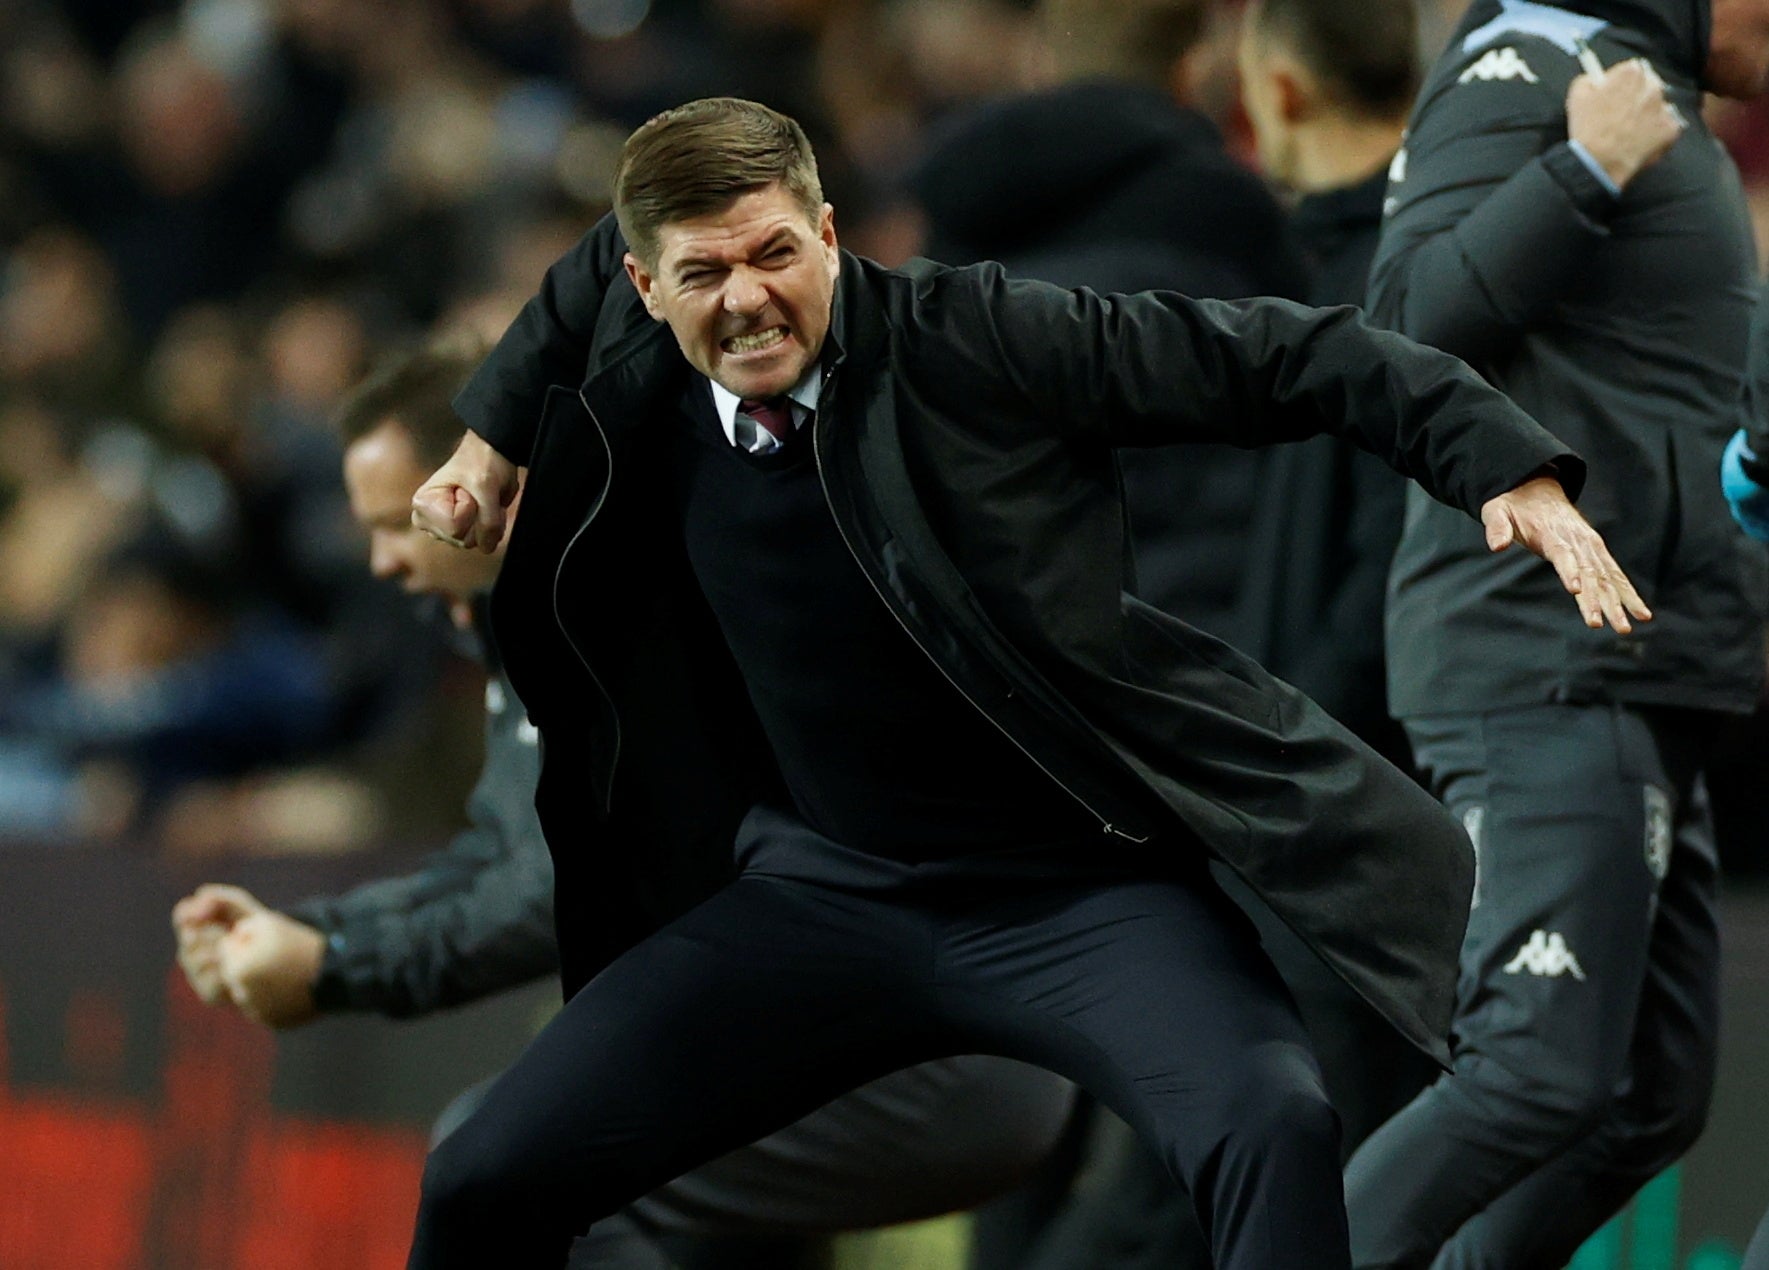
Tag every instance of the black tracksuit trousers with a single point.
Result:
(1588, 1007)
(782, 992)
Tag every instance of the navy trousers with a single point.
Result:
(788, 988)
(1588, 1007)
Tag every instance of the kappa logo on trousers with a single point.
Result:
(1545, 954)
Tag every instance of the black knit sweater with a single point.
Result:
(879, 751)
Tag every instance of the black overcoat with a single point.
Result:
(965, 438)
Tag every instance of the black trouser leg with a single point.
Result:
(1663, 1104)
(774, 996)
(1157, 998)
(752, 1010)
(942, 1135)
(1572, 811)
(1131, 1216)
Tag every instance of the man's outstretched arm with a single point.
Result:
(1159, 368)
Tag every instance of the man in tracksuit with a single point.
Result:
(826, 562)
(477, 918)
(1561, 218)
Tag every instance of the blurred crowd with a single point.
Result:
(214, 214)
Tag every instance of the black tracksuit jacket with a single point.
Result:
(476, 919)
(1619, 323)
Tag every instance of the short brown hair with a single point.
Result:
(702, 157)
(415, 388)
(1128, 40)
(1366, 54)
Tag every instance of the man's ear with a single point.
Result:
(644, 283)
(1294, 89)
(826, 236)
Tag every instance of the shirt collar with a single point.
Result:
(803, 393)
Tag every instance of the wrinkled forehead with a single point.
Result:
(751, 224)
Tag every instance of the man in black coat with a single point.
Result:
(827, 559)
(1561, 218)
(477, 919)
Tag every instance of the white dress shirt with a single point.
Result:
(743, 431)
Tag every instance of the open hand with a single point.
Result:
(1539, 515)
(466, 501)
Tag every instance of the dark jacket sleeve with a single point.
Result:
(1492, 216)
(547, 344)
(476, 919)
(1158, 367)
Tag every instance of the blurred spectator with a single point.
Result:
(60, 516)
(187, 206)
(1328, 90)
(61, 330)
(1107, 179)
(162, 675)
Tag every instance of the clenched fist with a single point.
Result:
(269, 963)
(1622, 118)
(235, 951)
(466, 500)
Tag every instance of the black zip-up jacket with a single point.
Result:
(1619, 323)
(964, 440)
(476, 919)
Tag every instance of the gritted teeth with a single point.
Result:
(755, 340)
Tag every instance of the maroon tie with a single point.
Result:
(774, 417)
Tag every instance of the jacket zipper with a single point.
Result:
(558, 572)
(1106, 826)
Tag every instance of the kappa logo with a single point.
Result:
(1397, 172)
(1547, 956)
(1497, 64)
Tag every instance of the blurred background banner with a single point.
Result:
(140, 1128)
